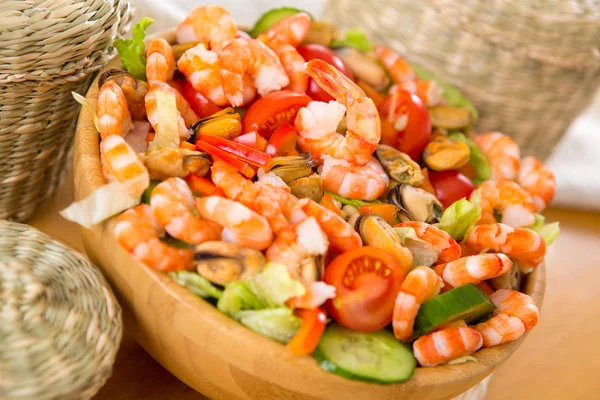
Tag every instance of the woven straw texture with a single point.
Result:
(61, 325)
(529, 66)
(49, 49)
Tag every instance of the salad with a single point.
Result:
(320, 190)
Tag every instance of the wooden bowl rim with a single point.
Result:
(252, 346)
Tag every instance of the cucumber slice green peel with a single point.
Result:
(271, 17)
(466, 302)
(373, 357)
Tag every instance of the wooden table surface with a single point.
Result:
(559, 360)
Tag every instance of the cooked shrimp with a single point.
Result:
(160, 61)
(507, 200)
(113, 114)
(317, 122)
(474, 269)
(294, 244)
(538, 180)
(235, 186)
(241, 225)
(275, 204)
(201, 67)
(420, 285)
(186, 116)
(516, 313)
(523, 245)
(209, 24)
(138, 232)
(249, 56)
(442, 346)
(172, 203)
(133, 89)
(283, 38)
(166, 162)
(363, 182)
(441, 240)
(503, 154)
(120, 162)
(341, 234)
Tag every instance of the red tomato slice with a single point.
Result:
(272, 111)
(417, 132)
(283, 141)
(317, 51)
(307, 338)
(365, 295)
(247, 154)
(253, 140)
(200, 104)
(450, 186)
(200, 185)
(240, 165)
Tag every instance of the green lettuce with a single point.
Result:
(236, 297)
(274, 285)
(276, 323)
(477, 159)
(548, 232)
(354, 38)
(452, 94)
(352, 202)
(461, 216)
(132, 51)
(196, 283)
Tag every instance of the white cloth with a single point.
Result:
(575, 161)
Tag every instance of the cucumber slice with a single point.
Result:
(372, 357)
(271, 17)
(148, 192)
(466, 302)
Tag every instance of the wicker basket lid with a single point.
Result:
(61, 325)
(42, 39)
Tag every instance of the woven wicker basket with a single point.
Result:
(529, 66)
(48, 50)
(61, 325)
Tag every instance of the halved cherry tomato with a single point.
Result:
(273, 110)
(253, 140)
(200, 185)
(450, 186)
(240, 165)
(247, 154)
(367, 281)
(283, 141)
(317, 51)
(426, 185)
(386, 211)
(413, 138)
(307, 338)
(200, 104)
(188, 146)
(389, 135)
(328, 202)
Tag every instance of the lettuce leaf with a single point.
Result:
(276, 323)
(352, 202)
(274, 285)
(354, 38)
(133, 51)
(167, 134)
(196, 283)
(548, 232)
(461, 216)
(477, 159)
(89, 107)
(452, 94)
(237, 296)
(101, 204)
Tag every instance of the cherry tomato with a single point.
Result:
(365, 296)
(312, 51)
(307, 338)
(450, 186)
(416, 134)
(272, 111)
(283, 141)
(200, 104)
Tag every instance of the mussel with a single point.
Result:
(312, 268)
(423, 252)
(449, 117)
(443, 153)
(223, 262)
(374, 231)
(415, 204)
(365, 67)
(398, 165)
(290, 168)
(225, 123)
(511, 279)
(322, 33)
(308, 186)
(133, 89)
(165, 162)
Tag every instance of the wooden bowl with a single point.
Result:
(216, 355)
